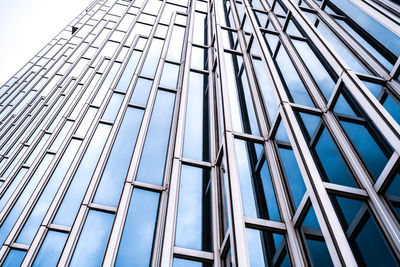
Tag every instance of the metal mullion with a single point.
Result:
(34, 141)
(116, 232)
(251, 77)
(172, 202)
(238, 237)
(213, 143)
(294, 245)
(265, 225)
(335, 238)
(191, 254)
(390, 169)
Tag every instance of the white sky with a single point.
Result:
(26, 26)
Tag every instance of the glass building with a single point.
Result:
(206, 133)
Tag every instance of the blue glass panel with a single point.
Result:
(152, 58)
(245, 167)
(311, 123)
(269, 193)
(112, 180)
(375, 88)
(194, 211)
(196, 140)
(340, 49)
(241, 103)
(343, 107)
(317, 249)
(372, 155)
(12, 187)
(73, 198)
(281, 134)
(293, 175)
(292, 79)
(113, 107)
(127, 75)
(141, 92)
(93, 239)
(373, 27)
(392, 107)
(325, 82)
(139, 229)
(35, 219)
(169, 76)
(263, 247)
(187, 263)
(365, 44)
(152, 163)
(319, 253)
(14, 258)
(367, 239)
(24, 197)
(333, 164)
(51, 249)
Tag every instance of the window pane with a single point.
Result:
(169, 77)
(266, 248)
(113, 178)
(317, 250)
(152, 163)
(127, 75)
(196, 140)
(139, 229)
(141, 92)
(51, 249)
(193, 224)
(35, 219)
(14, 258)
(176, 44)
(187, 263)
(73, 198)
(258, 195)
(152, 58)
(365, 238)
(113, 107)
(93, 239)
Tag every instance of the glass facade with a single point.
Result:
(206, 133)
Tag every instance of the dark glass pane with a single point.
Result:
(139, 229)
(152, 163)
(35, 219)
(193, 224)
(363, 233)
(73, 198)
(334, 167)
(392, 195)
(93, 239)
(314, 241)
(366, 146)
(112, 180)
(294, 179)
(127, 75)
(51, 249)
(196, 140)
(266, 247)
(14, 258)
(292, 80)
(141, 92)
(393, 107)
